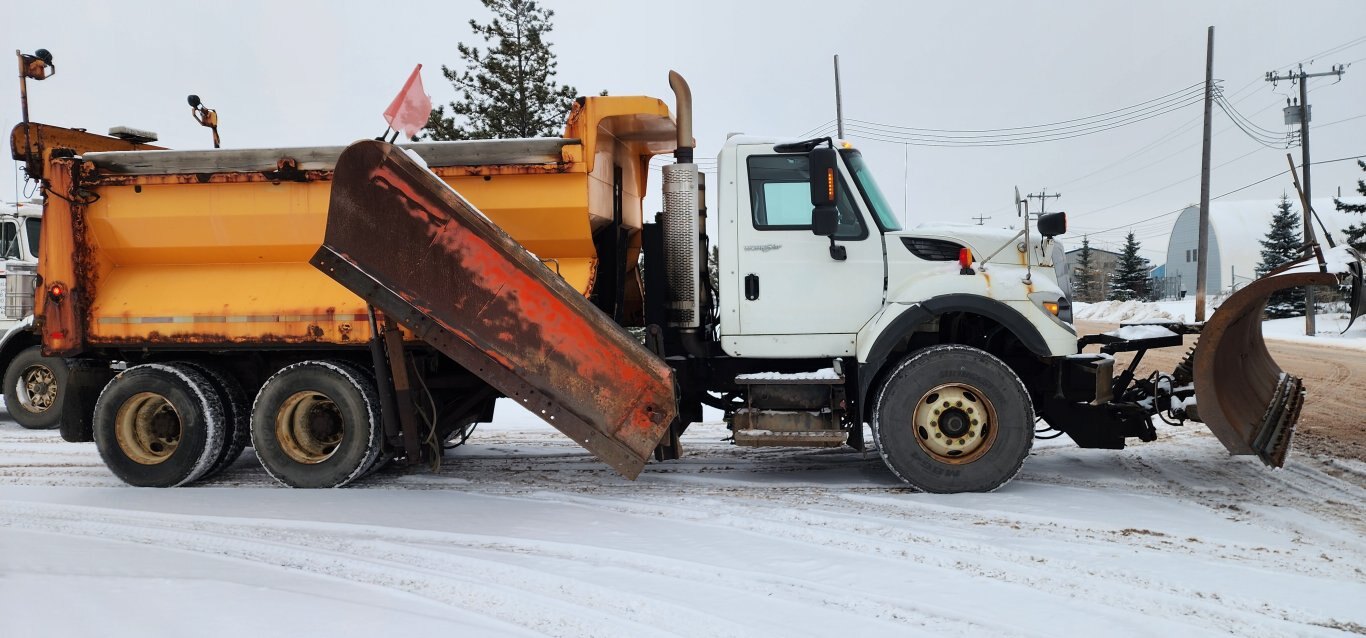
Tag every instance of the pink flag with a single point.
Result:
(409, 111)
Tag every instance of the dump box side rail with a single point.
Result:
(400, 238)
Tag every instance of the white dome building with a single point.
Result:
(1236, 232)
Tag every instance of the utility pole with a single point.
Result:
(1202, 244)
(981, 220)
(839, 105)
(1043, 198)
(1302, 113)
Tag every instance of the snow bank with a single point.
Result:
(1121, 311)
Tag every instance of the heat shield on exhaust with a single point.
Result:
(1249, 403)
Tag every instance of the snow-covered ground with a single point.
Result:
(522, 533)
(1328, 327)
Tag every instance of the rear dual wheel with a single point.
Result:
(316, 424)
(160, 425)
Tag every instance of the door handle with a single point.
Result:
(751, 287)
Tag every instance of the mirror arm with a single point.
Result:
(837, 252)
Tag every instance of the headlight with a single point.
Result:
(1055, 304)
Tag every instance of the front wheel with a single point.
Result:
(953, 418)
(33, 385)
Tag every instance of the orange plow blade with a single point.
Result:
(1249, 403)
(401, 239)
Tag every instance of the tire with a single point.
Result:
(236, 414)
(159, 425)
(33, 386)
(316, 424)
(953, 418)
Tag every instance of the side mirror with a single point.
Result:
(1052, 224)
(825, 221)
(824, 176)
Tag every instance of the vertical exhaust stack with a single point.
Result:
(681, 232)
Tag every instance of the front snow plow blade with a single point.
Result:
(1249, 403)
(400, 238)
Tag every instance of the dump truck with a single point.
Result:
(340, 309)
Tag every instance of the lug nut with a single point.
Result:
(947, 404)
(959, 404)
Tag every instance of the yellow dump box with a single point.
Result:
(173, 248)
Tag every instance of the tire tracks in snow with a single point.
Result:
(424, 564)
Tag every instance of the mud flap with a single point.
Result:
(400, 238)
(1249, 403)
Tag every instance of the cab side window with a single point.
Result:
(780, 197)
(9, 241)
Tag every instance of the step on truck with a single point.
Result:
(341, 309)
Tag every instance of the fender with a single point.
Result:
(917, 314)
(18, 337)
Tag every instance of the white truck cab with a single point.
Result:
(789, 293)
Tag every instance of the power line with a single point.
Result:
(1095, 124)
(882, 136)
(1131, 107)
(1240, 188)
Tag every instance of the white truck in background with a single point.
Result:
(31, 381)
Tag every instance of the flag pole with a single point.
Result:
(384, 134)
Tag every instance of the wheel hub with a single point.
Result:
(147, 428)
(37, 389)
(955, 423)
(309, 427)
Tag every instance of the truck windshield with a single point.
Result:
(886, 219)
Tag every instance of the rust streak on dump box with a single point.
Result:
(398, 237)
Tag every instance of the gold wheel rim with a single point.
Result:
(147, 428)
(955, 423)
(36, 388)
(309, 427)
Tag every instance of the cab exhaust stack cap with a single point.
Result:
(683, 97)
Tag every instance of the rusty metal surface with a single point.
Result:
(33, 144)
(401, 239)
(63, 260)
(1249, 403)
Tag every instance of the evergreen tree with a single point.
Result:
(1130, 279)
(1282, 244)
(508, 89)
(1356, 233)
(1085, 282)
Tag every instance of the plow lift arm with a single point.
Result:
(1230, 381)
(401, 239)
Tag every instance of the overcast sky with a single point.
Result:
(305, 73)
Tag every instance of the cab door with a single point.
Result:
(794, 292)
